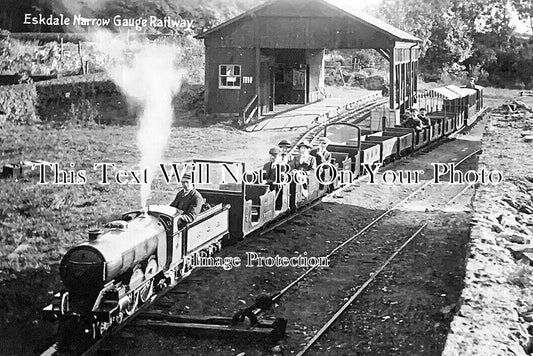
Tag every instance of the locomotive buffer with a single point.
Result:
(244, 323)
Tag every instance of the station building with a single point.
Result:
(274, 54)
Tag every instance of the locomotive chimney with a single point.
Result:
(94, 234)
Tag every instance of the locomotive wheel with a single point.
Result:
(147, 291)
(119, 318)
(137, 277)
(151, 268)
(186, 269)
(102, 327)
(133, 305)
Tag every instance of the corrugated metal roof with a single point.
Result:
(461, 91)
(347, 9)
(444, 93)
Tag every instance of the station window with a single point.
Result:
(229, 76)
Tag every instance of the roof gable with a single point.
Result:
(320, 8)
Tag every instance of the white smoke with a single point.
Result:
(147, 74)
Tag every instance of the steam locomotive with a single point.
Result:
(129, 261)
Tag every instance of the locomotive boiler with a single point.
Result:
(123, 249)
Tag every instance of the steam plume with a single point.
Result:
(146, 73)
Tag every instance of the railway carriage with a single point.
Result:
(253, 205)
(436, 130)
(453, 107)
(346, 139)
(342, 163)
(389, 146)
(404, 139)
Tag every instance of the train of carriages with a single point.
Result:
(129, 261)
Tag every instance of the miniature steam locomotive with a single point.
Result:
(129, 261)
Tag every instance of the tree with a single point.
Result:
(445, 38)
(454, 33)
(525, 10)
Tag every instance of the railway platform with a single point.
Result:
(290, 116)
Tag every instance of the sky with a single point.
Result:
(359, 3)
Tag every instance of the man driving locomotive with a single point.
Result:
(188, 200)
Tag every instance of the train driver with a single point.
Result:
(285, 147)
(188, 200)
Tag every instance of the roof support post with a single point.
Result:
(392, 79)
(258, 78)
(207, 75)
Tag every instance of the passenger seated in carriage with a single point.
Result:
(285, 147)
(416, 114)
(269, 168)
(188, 200)
(305, 163)
(320, 153)
(424, 118)
(413, 122)
(472, 83)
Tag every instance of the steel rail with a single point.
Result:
(361, 289)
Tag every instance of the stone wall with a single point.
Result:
(55, 99)
(18, 103)
(80, 99)
(496, 312)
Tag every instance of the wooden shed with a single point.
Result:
(274, 54)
